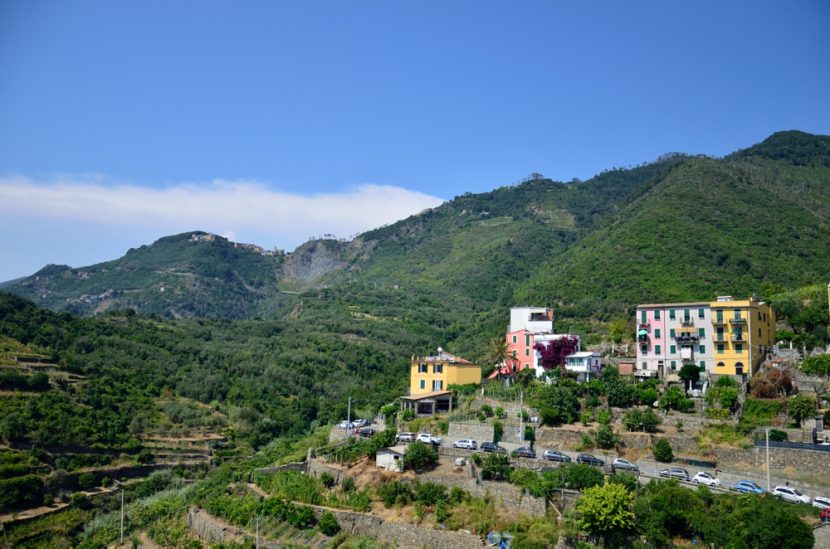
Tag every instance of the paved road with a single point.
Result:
(651, 469)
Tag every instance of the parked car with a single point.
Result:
(525, 452)
(588, 459)
(406, 437)
(675, 472)
(623, 465)
(820, 502)
(492, 447)
(556, 455)
(346, 425)
(788, 493)
(361, 422)
(427, 438)
(706, 479)
(824, 515)
(366, 432)
(466, 443)
(748, 487)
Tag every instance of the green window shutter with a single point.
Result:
(671, 333)
(674, 365)
(514, 339)
(702, 365)
(700, 313)
(673, 349)
(739, 348)
(702, 349)
(657, 314)
(671, 314)
(701, 332)
(527, 340)
(720, 348)
(657, 333)
(527, 352)
(657, 349)
(643, 317)
(423, 384)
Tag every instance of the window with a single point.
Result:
(759, 332)
(702, 349)
(671, 314)
(672, 349)
(438, 369)
(437, 385)
(657, 314)
(720, 348)
(721, 364)
(527, 340)
(656, 349)
(657, 333)
(423, 384)
(686, 314)
(739, 348)
(719, 316)
(643, 317)
(702, 365)
(737, 314)
(671, 333)
(701, 332)
(645, 365)
(674, 365)
(422, 368)
(700, 313)
(515, 353)
(643, 349)
(514, 339)
(527, 352)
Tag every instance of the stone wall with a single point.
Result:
(299, 466)
(213, 529)
(317, 468)
(480, 432)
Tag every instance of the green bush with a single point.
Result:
(327, 479)
(347, 484)
(87, 481)
(302, 518)
(430, 493)
(662, 451)
(604, 416)
(777, 435)
(498, 431)
(496, 466)
(418, 456)
(395, 493)
(328, 524)
(606, 438)
(487, 410)
(817, 365)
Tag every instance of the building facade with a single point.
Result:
(586, 365)
(528, 327)
(671, 335)
(429, 374)
(744, 333)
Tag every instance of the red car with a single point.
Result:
(825, 515)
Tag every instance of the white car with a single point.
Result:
(406, 437)
(790, 494)
(427, 438)
(706, 479)
(821, 502)
(466, 443)
(346, 425)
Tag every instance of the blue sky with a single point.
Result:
(121, 122)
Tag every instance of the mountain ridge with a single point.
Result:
(681, 227)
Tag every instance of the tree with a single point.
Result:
(419, 456)
(817, 365)
(552, 354)
(496, 353)
(618, 329)
(800, 407)
(496, 466)
(689, 373)
(662, 451)
(87, 481)
(606, 511)
(674, 399)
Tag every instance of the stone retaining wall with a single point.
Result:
(480, 432)
(299, 466)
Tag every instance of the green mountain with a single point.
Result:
(683, 227)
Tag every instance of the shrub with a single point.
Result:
(586, 417)
(498, 431)
(302, 518)
(777, 435)
(419, 456)
(577, 476)
(500, 413)
(87, 481)
(647, 395)
(586, 442)
(430, 493)
(408, 415)
(328, 524)
(327, 479)
(818, 365)
(800, 407)
(530, 433)
(347, 484)
(487, 410)
(477, 459)
(441, 513)
(81, 501)
(662, 451)
(604, 416)
(395, 493)
(495, 467)
(606, 438)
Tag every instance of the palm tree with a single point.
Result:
(496, 353)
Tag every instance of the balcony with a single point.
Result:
(719, 338)
(737, 320)
(687, 339)
(718, 321)
(687, 322)
(644, 326)
(738, 338)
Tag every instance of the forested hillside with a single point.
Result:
(683, 227)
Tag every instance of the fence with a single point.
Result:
(761, 443)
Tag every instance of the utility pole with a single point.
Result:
(769, 485)
(349, 417)
(521, 416)
(257, 532)
(122, 515)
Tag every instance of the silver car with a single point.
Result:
(788, 493)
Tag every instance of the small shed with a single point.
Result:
(391, 459)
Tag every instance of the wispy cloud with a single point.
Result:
(243, 208)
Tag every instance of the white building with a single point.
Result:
(585, 365)
(528, 327)
(391, 459)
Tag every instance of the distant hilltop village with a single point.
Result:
(209, 237)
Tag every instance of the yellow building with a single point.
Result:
(744, 331)
(429, 374)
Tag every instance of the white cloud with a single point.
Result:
(248, 209)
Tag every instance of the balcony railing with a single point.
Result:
(719, 338)
(687, 339)
(718, 320)
(737, 320)
(644, 326)
(686, 322)
(738, 337)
